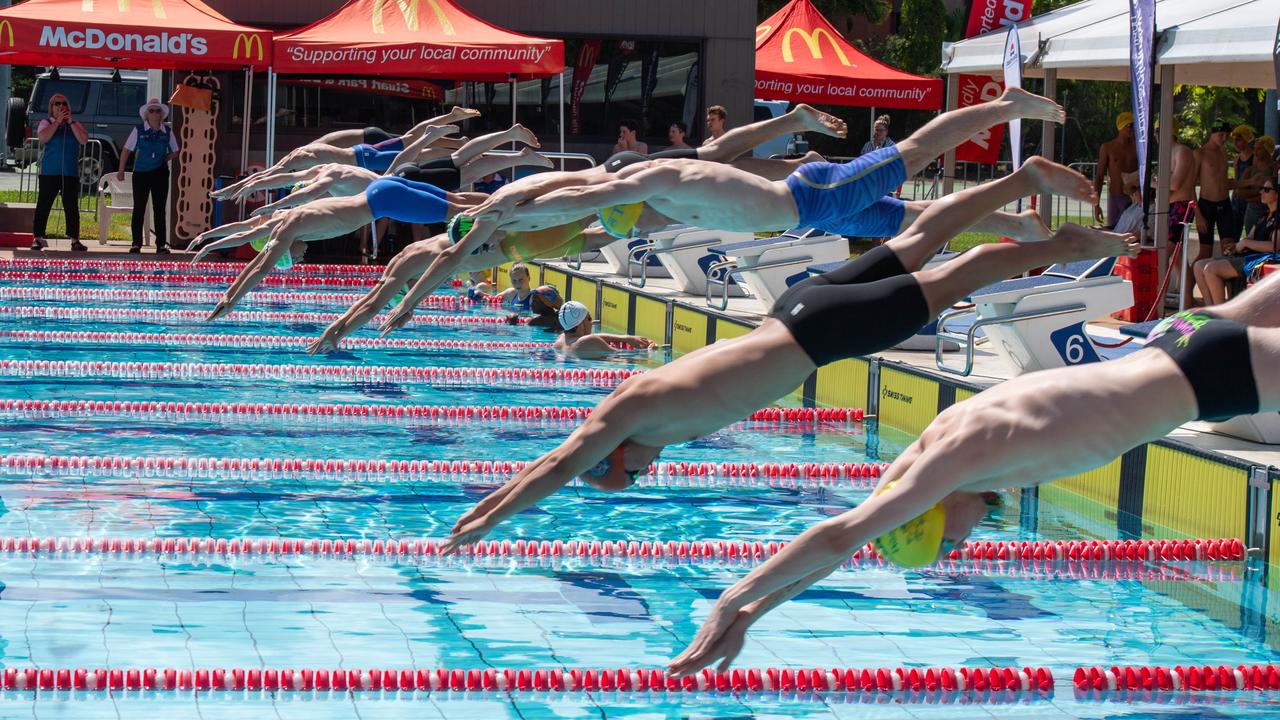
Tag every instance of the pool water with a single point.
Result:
(100, 610)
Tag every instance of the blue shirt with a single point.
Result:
(61, 154)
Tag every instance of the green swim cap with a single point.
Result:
(284, 263)
(459, 226)
(259, 243)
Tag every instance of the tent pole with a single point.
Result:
(1164, 171)
(872, 127)
(561, 85)
(1048, 136)
(512, 80)
(949, 157)
(271, 118)
(246, 120)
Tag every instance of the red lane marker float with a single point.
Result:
(175, 266)
(896, 680)
(454, 413)
(198, 316)
(15, 276)
(1160, 677)
(716, 553)
(210, 297)
(1102, 550)
(196, 340)
(595, 377)
(681, 474)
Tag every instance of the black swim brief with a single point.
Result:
(375, 135)
(1213, 354)
(440, 173)
(865, 306)
(1218, 214)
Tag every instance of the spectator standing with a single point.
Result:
(155, 144)
(1213, 209)
(1116, 157)
(61, 137)
(675, 136)
(1242, 138)
(717, 119)
(627, 140)
(879, 136)
(1249, 183)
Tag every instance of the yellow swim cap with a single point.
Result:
(915, 542)
(1123, 119)
(1243, 131)
(620, 220)
(1268, 145)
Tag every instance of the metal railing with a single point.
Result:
(89, 167)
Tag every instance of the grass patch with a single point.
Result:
(118, 230)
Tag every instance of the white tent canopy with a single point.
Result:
(1212, 42)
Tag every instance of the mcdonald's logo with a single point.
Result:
(409, 11)
(249, 42)
(157, 7)
(811, 39)
(6, 32)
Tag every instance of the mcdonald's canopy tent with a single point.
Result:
(153, 34)
(413, 39)
(801, 57)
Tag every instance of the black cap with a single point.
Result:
(1221, 127)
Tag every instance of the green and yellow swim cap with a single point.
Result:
(459, 226)
(620, 220)
(915, 542)
(261, 244)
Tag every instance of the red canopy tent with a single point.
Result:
(801, 57)
(153, 34)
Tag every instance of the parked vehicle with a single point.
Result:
(108, 109)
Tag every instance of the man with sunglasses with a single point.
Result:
(61, 138)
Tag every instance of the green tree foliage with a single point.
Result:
(873, 10)
(917, 46)
(1204, 107)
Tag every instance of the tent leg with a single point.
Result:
(949, 158)
(871, 128)
(514, 103)
(271, 118)
(246, 120)
(1164, 172)
(561, 86)
(1048, 139)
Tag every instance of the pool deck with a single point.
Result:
(989, 369)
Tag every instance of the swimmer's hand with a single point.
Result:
(396, 319)
(327, 342)
(223, 193)
(222, 308)
(721, 638)
(469, 533)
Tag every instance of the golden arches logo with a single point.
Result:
(409, 11)
(249, 42)
(6, 32)
(157, 7)
(811, 40)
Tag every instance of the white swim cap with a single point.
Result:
(572, 314)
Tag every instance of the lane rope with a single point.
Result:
(263, 342)
(211, 297)
(129, 315)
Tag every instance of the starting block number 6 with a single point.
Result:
(1072, 345)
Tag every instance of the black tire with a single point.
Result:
(16, 131)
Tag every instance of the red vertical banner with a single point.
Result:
(588, 51)
(986, 16)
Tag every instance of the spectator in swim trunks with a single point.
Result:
(1027, 431)
(577, 338)
(816, 322)
(1213, 276)
(1213, 209)
(1116, 157)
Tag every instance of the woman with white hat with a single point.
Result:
(155, 144)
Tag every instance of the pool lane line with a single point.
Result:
(789, 418)
(16, 276)
(479, 472)
(210, 297)
(187, 317)
(75, 264)
(1140, 566)
(1148, 678)
(909, 685)
(134, 370)
(259, 342)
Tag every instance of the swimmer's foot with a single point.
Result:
(435, 132)
(531, 157)
(815, 120)
(812, 157)
(1031, 227)
(520, 133)
(458, 114)
(1049, 176)
(1034, 107)
(1077, 242)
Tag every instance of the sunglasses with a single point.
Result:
(156, 110)
(59, 103)
(1265, 188)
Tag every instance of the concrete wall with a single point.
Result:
(726, 28)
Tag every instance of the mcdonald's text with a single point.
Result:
(94, 39)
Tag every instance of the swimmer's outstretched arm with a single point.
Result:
(274, 181)
(230, 228)
(579, 453)
(253, 273)
(402, 270)
(298, 197)
(812, 556)
(441, 269)
(244, 237)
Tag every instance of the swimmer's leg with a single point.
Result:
(485, 143)
(741, 140)
(485, 165)
(1026, 226)
(1258, 305)
(341, 138)
(770, 169)
(953, 214)
(952, 128)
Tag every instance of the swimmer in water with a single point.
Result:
(1033, 429)
(578, 340)
(407, 266)
(516, 298)
(818, 321)
(544, 306)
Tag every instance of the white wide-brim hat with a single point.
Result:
(153, 102)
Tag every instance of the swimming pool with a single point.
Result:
(126, 419)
